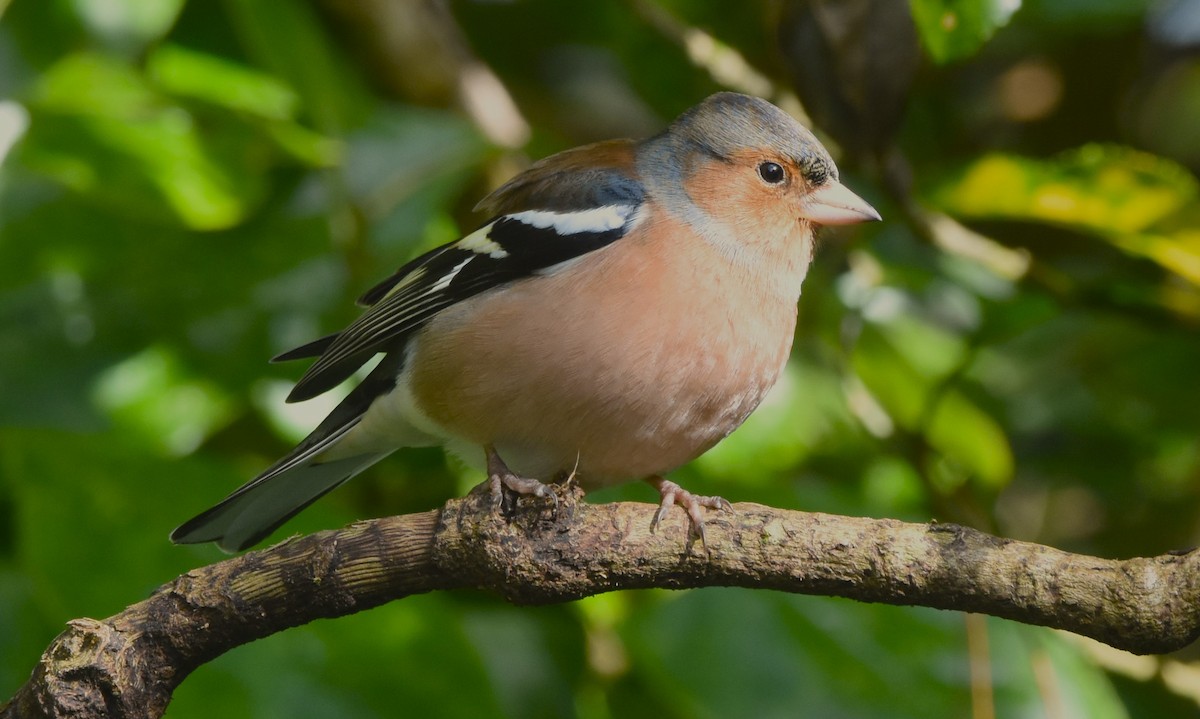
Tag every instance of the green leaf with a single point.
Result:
(254, 95)
(155, 168)
(306, 146)
(921, 402)
(954, 29)
(1135, 201)
(187, 73)
(151, 393)
(99, 129)
(95, 84)
(289, 40)
(805, 408)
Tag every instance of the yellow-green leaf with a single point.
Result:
(187, 73)
(1130, 199)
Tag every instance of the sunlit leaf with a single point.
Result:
(954, 29)
(136, 153)
(151, 393)
(95, 84)
(187, 73)
(310, 148)
(1098, 187)
(155, 168)
(257, 96)
(1126, 197)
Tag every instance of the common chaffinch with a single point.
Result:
(627, 306)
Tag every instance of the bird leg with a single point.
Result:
(672, 494)
(500, 477)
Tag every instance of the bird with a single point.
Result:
(627, 305)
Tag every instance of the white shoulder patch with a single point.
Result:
(600, 219)
(480, 243)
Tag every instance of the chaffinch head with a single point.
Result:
(626, 307)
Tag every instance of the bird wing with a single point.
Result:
(561, 208)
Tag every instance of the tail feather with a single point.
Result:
(248, 515)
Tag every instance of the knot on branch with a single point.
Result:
(537, 553)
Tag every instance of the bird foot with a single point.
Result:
(500, 478)
(672, 494)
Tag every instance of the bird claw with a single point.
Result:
(672, 494)
(520, 486)
(501, 478)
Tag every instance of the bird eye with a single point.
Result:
(771, 173)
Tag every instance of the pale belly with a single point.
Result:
(650, 384)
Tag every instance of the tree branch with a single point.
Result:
(128, 665)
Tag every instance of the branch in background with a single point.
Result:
(724, 64)
(129, 664)
(417, 52)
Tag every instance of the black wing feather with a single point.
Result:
(314, 348)
(412, 296)
(341, 420)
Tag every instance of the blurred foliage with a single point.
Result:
(953, 29)
(187, 188)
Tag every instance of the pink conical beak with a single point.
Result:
(833, 204)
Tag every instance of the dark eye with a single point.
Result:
(771, 173)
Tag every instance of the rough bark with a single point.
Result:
(128, 665)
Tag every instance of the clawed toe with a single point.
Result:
(501, 478)
(672, 494)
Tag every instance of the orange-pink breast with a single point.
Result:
(629, 362)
